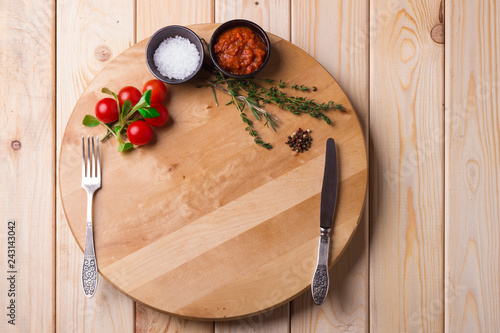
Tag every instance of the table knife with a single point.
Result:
(320, 281)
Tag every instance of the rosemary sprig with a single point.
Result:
(254, 95)
(252, 104)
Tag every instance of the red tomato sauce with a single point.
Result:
(240, 51)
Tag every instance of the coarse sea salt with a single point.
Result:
(176, 58)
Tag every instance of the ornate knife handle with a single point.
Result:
(320, 281)
(89, 268)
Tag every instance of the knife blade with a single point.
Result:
(320, 281)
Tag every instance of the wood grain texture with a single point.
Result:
(406, 154)
(89, 35)
(203, 213)
(336, 34)
(472, 181)
(27, 138)
(151, 16)
(149, 320)
(274, 17)
(273, 321)
(410, 192)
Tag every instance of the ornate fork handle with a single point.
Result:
(89, 268)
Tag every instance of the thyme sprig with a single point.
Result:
(255, 93)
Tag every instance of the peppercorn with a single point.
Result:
(299, 141)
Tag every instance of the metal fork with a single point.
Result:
(91, 181)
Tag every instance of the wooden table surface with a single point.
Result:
(426, 257)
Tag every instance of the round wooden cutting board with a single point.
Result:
(204, 223)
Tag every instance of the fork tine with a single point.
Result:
(83, 156)
(93, 174)
(98, 166)
(89, 171)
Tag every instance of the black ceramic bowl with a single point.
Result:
(239, 23)
(164, 33)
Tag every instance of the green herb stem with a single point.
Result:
(242, 98)
(255, 94)
(109, 130)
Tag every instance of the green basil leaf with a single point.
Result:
(90, 121)
(128, 146)
(117, 129)
(145, 100)
(125, 146)
(149, 112)
(127, 105)
(109, 92)
(147, 97)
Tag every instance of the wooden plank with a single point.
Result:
(274, 321)
(27, 99)
(336, 33)
(472, 181)
(274, 17)
(148, 320)
(406, 153)
(151, 16)
(89, 35)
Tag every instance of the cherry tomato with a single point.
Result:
(139, 133)
(158, 90)
(161, 119)
(131, 93)
(106, 110)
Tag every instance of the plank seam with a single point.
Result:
(135, 25)
(368, 180)
(290, 22)
(442, 20)
(56, 210)
(445, 182)
(134, 313)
